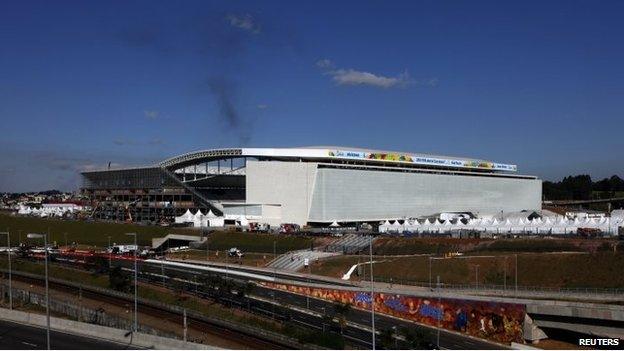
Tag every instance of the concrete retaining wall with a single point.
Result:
(99, 332)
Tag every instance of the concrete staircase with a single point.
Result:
(295, 260)
(350, 244)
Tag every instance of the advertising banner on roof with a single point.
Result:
(421, 160)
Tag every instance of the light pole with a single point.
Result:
(136, 324)
(440, 314)
(516, 273)
(372, 289)
(430, 259)
(9, 255)
(505, 275)
(323, 319)
(394, 336)
(476, 277)
(45, 249)
(308, 295)
(110, 253)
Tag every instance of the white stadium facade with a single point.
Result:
(310, 186)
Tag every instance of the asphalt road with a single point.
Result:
(14, 336)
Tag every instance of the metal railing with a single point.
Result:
(510, 287)
(79, 312)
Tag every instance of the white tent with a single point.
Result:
(243, 221)
(334, 224)
(216, 222)
(186, 217)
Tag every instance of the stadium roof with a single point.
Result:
(337, 153)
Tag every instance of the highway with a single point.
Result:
(14, 336)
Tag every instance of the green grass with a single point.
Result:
(97, 233)
(54, 271)
(257, 242)
(86, 233)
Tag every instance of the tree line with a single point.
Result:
(582, 187)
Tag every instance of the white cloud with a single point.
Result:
(245, 22)
(324, 64)
(151, 114)
(262, 106)
(353, 77)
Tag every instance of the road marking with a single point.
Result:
(29, 344)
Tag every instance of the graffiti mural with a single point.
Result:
(501, 322)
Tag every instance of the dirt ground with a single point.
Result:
(561, 269)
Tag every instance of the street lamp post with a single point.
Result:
(394, 336)
(136, 316)
(439, 315)
(516, 273)
(372, 290)
(505, 275)
(430, 259)
(9, 255)
(47, 290)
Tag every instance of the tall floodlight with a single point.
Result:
(47, 290)
(9, 255)
(136, 316)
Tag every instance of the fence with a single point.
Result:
(78, 312)
(217, 321)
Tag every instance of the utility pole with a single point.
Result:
(430, 284)
(136, 316)
(372, 290)
(47, 290)
(185, 326)
(440, 314)
(505, 275)
(9, 256)
(516, 272)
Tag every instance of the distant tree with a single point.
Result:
(581, 187)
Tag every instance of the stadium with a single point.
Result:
(309, 186)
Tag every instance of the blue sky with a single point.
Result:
(538, 84)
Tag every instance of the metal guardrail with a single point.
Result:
(504, 288)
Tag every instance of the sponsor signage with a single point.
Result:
(421, 160)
